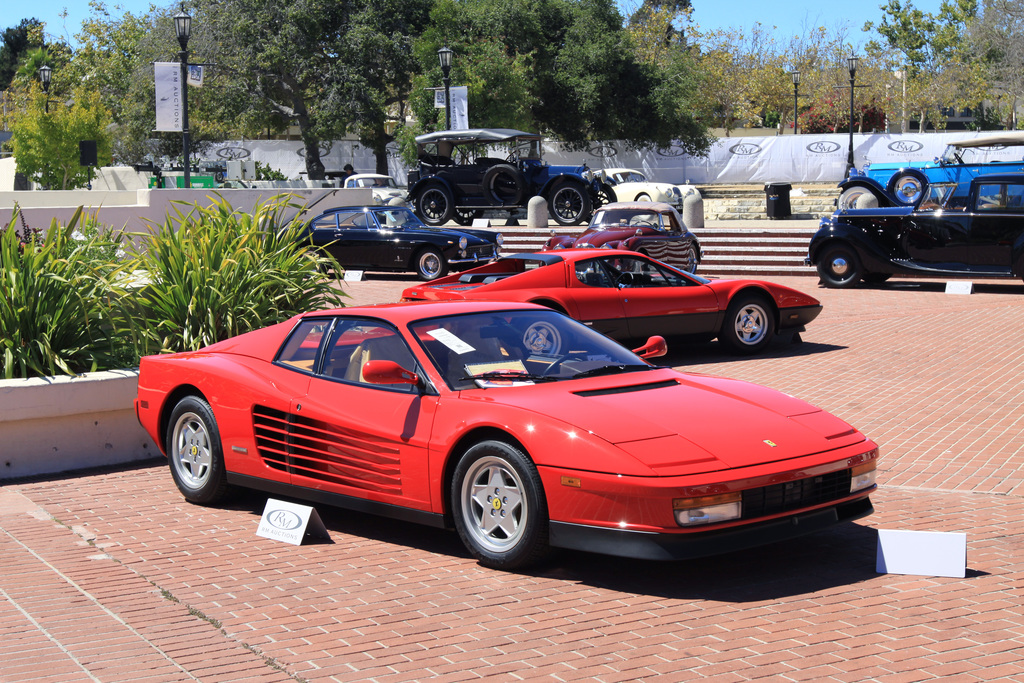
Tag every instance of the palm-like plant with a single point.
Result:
(214, 272)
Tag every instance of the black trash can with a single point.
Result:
(777, 200)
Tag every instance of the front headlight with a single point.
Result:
(463, 243)
(500, 239)
(588, 175)
(863, 476)
(707, 509)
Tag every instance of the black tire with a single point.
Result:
(839, 267)
(434, 204)
(498, 506)
(607, 195)
(467, 216)
(749, 324)
(643, 197)
(504, 185)
(857, 198)
(195, 453)
(908, 187)
(430, 264)
(569, 202)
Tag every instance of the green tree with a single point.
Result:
(45, 143)
(17, 41)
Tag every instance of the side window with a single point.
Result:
(991, 197)
(301, 349)
(326, 223)
(356, 342)
(593, 274)
(355, 220)
(1015, 198)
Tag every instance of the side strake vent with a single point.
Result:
(319, 450)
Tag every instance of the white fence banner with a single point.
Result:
(167, 76)
(773, 159)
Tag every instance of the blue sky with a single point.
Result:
(789, 16)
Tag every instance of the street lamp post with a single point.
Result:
(45, 74)
(852, 64)
(796, 95)
(183, 29)
(445, 55)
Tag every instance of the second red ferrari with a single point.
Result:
(627, 295)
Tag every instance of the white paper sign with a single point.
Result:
(922, 553)
(290, 522)
(353, 276)
(167, 77)
(451, 341)
(959, 287)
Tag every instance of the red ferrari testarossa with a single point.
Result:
(627, 295)
(515, 424)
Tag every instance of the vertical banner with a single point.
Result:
(460, 107)
(195, 75)
(167, 76)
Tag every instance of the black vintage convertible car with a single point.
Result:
(974, 233)
(393, 238)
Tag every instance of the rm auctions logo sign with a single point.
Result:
(602, 150)
(824, 147)
(745, 149)
(905, 146)
(283, 519)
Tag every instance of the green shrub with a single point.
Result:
(61, 309)
(214, 273)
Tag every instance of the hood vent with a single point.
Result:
(628, 389)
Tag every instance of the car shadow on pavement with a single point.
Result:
(836, 557)
(906, 285)
(682, 354)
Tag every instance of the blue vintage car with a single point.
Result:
(908, 184)
(456, 180)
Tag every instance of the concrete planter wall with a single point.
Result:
(59, 424)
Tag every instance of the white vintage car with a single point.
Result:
(384, 187)
(632, 186)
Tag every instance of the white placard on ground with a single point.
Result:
(290, 522)
(353, 276)
(481, 222)
(924, 553)
(959, 287)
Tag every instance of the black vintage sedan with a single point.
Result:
(393, 238)
(977, 233)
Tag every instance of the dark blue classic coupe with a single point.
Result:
(393, 238)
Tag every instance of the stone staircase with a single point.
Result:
(749, 202)
(729, 251)
(756, 251)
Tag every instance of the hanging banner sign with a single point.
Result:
(167, 77)
(460, 107)
(439, 98)
(195, 75)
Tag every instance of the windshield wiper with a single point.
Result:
(513, 375)
(611, 370)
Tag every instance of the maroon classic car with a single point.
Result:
(654, 229)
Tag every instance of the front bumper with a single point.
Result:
(645, 545)
(477, 257)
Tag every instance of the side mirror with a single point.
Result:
(654, 348)
(388, 372)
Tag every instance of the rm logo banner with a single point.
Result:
(167, 77)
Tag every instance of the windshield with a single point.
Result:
(513, 348)
(379, 181)
(625, 218)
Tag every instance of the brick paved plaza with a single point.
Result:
(110, 576)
